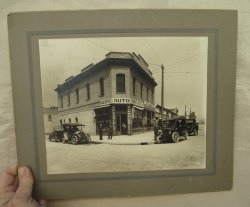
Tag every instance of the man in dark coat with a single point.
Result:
(110, 132)
(100, 131)
(156, 128)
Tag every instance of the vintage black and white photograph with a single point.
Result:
(122, 104)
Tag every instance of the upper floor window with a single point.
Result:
(61, 100)
(49, 117)
(141, 90)
(134, 86)
(77, 95)
(68, 99)
(120, 83)
(101, 81)
(88, 91)
(147, 94)
(152, 96)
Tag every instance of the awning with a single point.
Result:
(138, 107)
(102, 106)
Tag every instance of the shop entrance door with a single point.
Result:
(121, 120)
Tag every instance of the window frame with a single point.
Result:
(120, 77)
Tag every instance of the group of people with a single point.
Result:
(110, 131)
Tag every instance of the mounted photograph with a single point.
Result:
(122, 104)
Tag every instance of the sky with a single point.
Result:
(184, 60)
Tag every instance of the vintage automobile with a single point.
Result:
(192, 127)
(56, 135)
(172, 130)
(71, 133)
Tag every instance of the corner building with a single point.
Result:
(117, 91)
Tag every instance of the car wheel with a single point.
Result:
(175, 137)
(50, 138)
(55, 138)
(88, 139)
(195, 132)
(74, 140)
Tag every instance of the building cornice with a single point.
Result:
(126, 59)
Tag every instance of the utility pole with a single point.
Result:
(162, 90)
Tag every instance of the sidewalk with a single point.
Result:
(135, 139)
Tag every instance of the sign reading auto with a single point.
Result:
(106, 102)
(121, 100)
(116, 101)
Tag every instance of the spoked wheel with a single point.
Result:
(50, 138)
(74, 140)
(175, 137)
(55, 138)
(195, 132)
(88, 139)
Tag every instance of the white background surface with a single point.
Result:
(239, 195)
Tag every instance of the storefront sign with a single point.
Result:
(138, 103)
(142, 105)
(149, 106)
(105, 102)
(115, 101)
(121, 100)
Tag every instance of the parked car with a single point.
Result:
(71, 133)
(173, 130)
(192, 127)
(56, 135)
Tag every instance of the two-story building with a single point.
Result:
(166, 113)
(118, 91)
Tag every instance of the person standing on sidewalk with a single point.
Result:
(110, 132)
(156, 128)
(100, 132)
(124, 127)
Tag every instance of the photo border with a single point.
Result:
(220, 26)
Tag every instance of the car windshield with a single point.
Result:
(73, 128)
(169, 123)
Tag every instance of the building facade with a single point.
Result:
(117, 93)
(167, 113)
(51, 120)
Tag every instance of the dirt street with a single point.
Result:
(126, 156)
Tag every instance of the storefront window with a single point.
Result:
(103, 116)
(137, 121)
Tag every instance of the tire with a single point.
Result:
(175, 137)
(88, 139)
(74, 140)
(55, 138)
(50, 138)
(195, 132)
